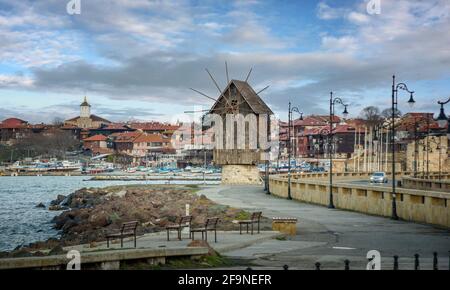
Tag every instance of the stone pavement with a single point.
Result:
(226, 241)
(330, 236)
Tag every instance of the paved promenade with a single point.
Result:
(331, 236)
(226, 241)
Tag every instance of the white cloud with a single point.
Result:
(325, 12)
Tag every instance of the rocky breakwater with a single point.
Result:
(91, 212)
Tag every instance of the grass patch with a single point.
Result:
(243, 215)
(281, 238)
(183, 263)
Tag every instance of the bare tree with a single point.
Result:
(372, 116)
(387, 113)
(58, 122)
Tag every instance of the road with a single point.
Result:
(330, 236)
(365, 182)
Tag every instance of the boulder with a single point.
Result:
(40, 205)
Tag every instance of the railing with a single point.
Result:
(395, 264)
(432, 175)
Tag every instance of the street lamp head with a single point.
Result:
(301, 117)
(345, 113)
(411, 101)
(442, 119)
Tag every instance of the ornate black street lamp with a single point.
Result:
(442, 119)
(333, 102)
(395, 88)
(290, 111)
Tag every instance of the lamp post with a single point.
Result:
(442, 120)
(395, 88)
(290, 111)
(415, 146)
(333, 102)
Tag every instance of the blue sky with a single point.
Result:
(137, 59)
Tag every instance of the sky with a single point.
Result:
(137, 59)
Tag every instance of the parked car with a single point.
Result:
(378, 177)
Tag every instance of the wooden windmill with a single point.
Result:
(239, 162)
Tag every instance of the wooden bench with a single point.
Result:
(210, 225)
(182, 222)
(255, 218)
(127, 229)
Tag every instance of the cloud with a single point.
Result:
(325, 12)
(156, 50)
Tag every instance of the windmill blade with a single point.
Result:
(217, 86)
(205, 95)
(214, 81)
(262, 90)
(226, 71)
(191, 112)
(248, 75)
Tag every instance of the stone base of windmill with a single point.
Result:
(240, 175)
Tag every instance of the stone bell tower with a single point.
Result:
(85, 109)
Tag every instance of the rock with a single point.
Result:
(56, 207)
(69, 224)
(40, 205)
(59, 199)
(58, 250)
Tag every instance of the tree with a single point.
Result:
(52, 143)
(372, 116)
(58, 122)
(387, 113)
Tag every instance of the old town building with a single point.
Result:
(86, 120)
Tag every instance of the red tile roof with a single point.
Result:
(13, 123)
(126, 137)
(315, 120)
(115, 126)
(96, 138)
(154, 126)
(148, 138)
(93, 117)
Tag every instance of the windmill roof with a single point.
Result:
(257, 105)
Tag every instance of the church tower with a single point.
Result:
(85, 109)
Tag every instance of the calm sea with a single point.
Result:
(21, 222)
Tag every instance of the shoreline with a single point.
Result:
(85, 214)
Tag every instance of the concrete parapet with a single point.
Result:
(108, 260)
(426, 184)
